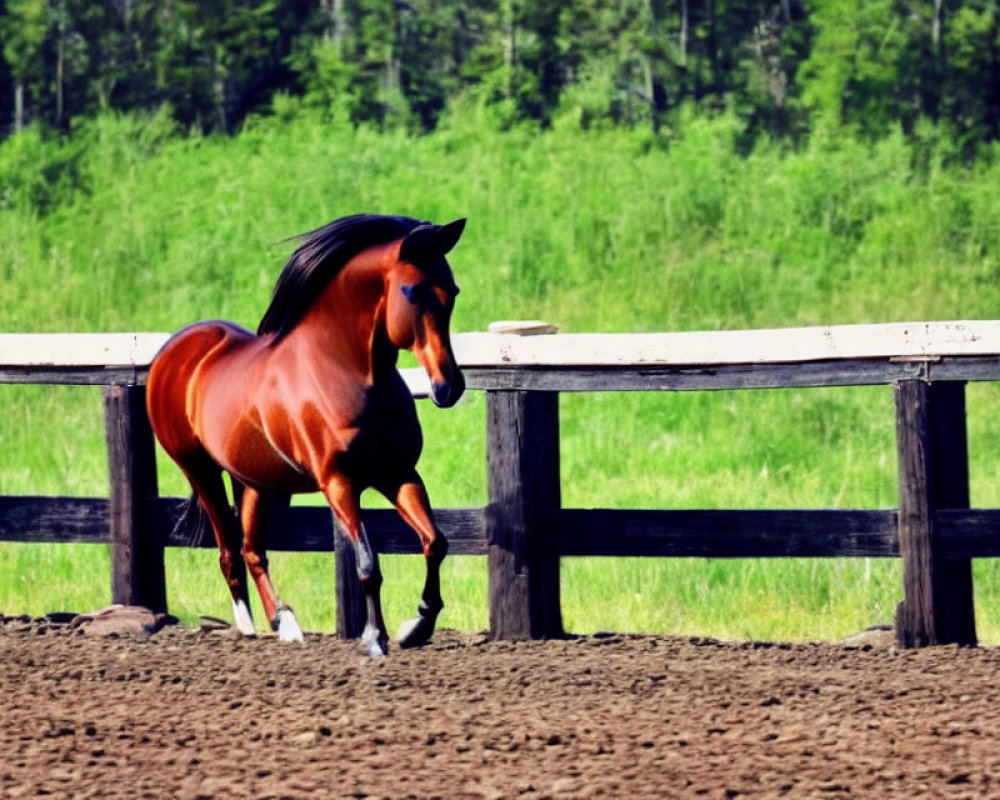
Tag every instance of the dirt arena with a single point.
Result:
(198, 714)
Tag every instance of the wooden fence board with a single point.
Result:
(53, 519)
(670, 378)
(725, 533)
(309, 528)
(73, 376)
(576, 531)
(864, 372)
(79, 349)
(910, 340)
(766, 346)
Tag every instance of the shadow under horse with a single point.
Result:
(313, 402)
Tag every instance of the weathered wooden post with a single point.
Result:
(522, 440)
(137, 571)
(937, 606)
(522, 458)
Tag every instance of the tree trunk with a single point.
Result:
(655, 93)
(19, 107)
(649, 87)
(391, 73)
(786, 11)
(336, 23)
(683, 35)
(219, 91)
(510, 47)
(711, 45)
(936, 27)
(60, 78)
(992, 88)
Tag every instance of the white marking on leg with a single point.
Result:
(241, 615)
(370, 638)
(407, 629)
(363, 555)
(288, 626)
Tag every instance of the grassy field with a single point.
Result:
(128, 227)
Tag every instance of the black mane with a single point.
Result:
(317, 260)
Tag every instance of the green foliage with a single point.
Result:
(879, 65)
(34, 174)
(23, 27)
(970, 100)
(852, 73)
(784, 68)
(331, 84)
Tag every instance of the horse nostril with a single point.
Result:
(441, 394)
(446, 393)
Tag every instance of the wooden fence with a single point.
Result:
(523, 529)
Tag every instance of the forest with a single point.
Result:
(930, 68)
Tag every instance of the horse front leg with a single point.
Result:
(343, 499)
(410, 499)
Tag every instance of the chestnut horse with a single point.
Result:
(314, 402)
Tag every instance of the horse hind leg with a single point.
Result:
(255, 508)
(167, 388)
(211, 492)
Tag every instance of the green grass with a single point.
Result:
(794, 599)
(609, 231)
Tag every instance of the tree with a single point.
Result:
(970, 100)
(852, 73)
(764, 82)
(23, 29)
(214, 59)
(430, 55)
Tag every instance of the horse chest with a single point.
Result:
(385, 434)
(358, 432)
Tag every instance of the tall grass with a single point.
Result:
(127, 227)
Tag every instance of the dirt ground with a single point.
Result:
(198, 714)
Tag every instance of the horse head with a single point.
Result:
(421, 294)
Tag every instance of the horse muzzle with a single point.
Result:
(446, 393)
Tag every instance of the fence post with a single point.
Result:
(522, 440)
(137, 571)
(937, 606)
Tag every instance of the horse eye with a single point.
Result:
(409, 291)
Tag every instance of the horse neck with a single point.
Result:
(347, 322)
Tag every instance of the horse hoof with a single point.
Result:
(415, 632)
(287, 626)
(376, 650)
(242, 618)
(375, 644)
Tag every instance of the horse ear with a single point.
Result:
(448, 235)
(430, 240)
(418, 242)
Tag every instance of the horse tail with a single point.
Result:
(193, 527)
